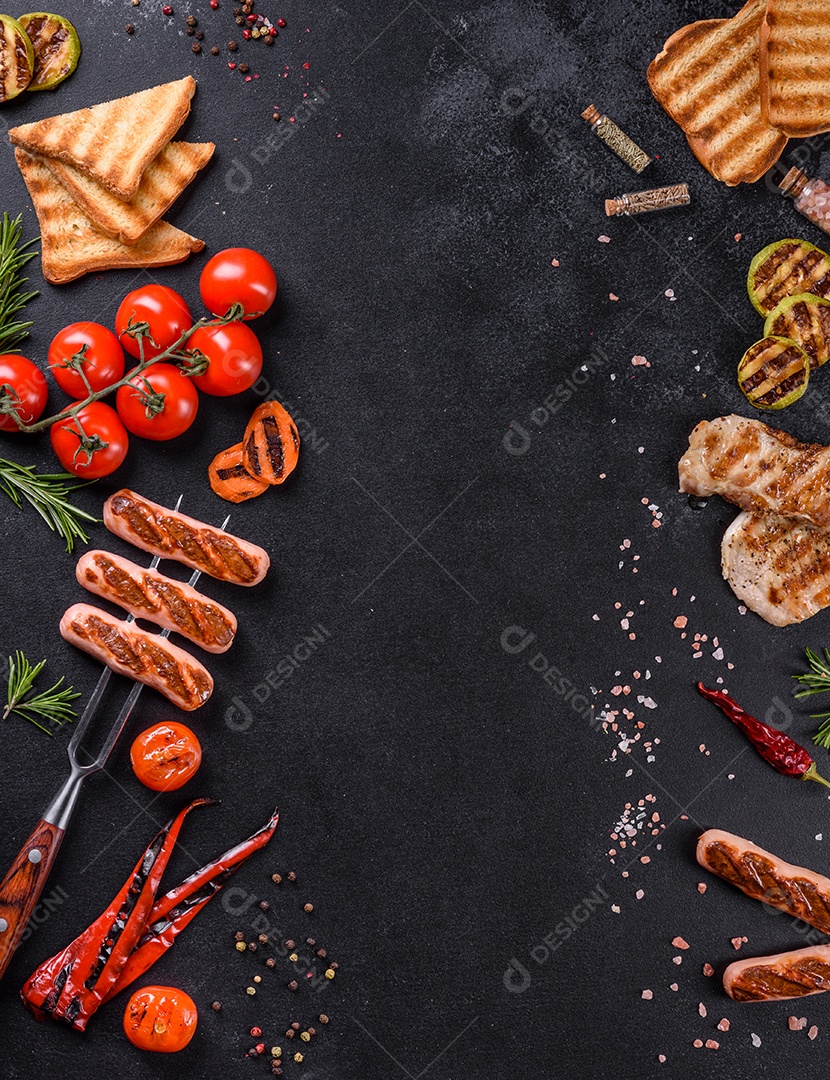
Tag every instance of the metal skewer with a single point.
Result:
(23, 884)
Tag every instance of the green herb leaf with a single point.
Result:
(52, 705)
(13, 257)
(49, 494)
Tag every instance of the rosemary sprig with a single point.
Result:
(13, 257)
(49, 494)
(51, 705)
(817, 679)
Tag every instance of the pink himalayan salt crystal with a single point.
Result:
(796, 1024)
(701, 887)
(723, 1025)
(647, 995)
(613, 296)
(708, 971)
(702, 1010)
(811, 1034)
(661, 1058)
(603, 239)
(677, 960)
(737, 942)
(639, 361)
(674, 987)
(712, 1044)
(554, 262)
(680, 622)
(679, 943)
(698, 1043)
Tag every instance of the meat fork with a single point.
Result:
(22, 886)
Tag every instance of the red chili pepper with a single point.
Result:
(72, 984)
(776, 748)
(177, 908)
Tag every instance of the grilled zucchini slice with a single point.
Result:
(787, 268)
(56, 45)
(17, 58)
(773, 373)
(805, 319)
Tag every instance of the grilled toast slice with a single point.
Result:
(115, 141)
(707, 78)
(162, 183)
(795, 67)
(72, 246)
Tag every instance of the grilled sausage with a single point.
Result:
(175, 536)
(765, 877)
(776, 978)
(145, 657)
(147, 594)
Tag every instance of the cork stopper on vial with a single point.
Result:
(793, 183)
(592, 115)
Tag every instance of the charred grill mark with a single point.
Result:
(252, 456)
(123, 586)
(762, 982)
(234, 473)
(273, 445)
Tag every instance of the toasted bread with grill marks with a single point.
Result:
(162, 183)
(115, 141)
(72, 246)
(707, 78)
(795, 67)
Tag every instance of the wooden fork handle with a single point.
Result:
(21, 887)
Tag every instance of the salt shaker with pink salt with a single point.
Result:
(811, 195)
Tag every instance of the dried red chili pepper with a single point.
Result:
(776, 748)
(72, 984)
(177, 908)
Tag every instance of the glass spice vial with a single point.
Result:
(812, 197)
(642, 202)
(616, 139)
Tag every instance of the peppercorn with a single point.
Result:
(167, 10)
(200, 35)
(256, 1031)
(277, 879)
(312, 1031)
(298, 1057)
(246, 34)
(136, 3)
(274, 32)
(276, 1051)
(323, 1018)
(241, 946)
(263, 939)
(196, 47)
(293, 985)
(255, 34)
(217, 1006)
(191, 20)
(276, 1070)
(308, 908)
(280, 23)
(292, 876)
(267, 39)
(304, 1035)
(251, 946)
(239, 935)
(214, 4)
(321, 953)
(130, 28)
(247, 6)
(251, 1052)
(237, 10)
(289, 943)
(295, 1026)
(250, 991)
(260, 1048)
(270, 962)
(289, 1034)
(232, 45)
(329, 973)
(214, 51)
(334, 965)
(264, 905)
(293, 957)
(276, 116)
(257, 978)
(239, 20)
(190, 31)
(310, 942)
(252, 18)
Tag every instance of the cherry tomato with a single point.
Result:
(164, 311)
(166, 756)
(28, 387)
(235, 358)
(160, 1018)
(103, 362)
(161, 410)
(102, 427)
(238, 276)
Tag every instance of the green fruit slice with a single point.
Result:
(805, 319)
(17, 58)
(773, 373)
(786, 268)
(57, 48)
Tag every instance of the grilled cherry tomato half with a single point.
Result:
(93, 448)
(238, 276)
(160, 1018)
(235, 357)
(102, 363)
(166, 756)
(23, 385)
(160, 403)
(162, 309)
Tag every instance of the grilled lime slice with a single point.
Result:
(786, 268)
(805, 319)
(17, 58)
(57, 48)
(773, 373)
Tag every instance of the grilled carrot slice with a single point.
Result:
(271, 445)
(230, 479)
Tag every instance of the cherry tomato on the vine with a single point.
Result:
(165, 312)
(235, 357)
(166, 756)
(103, 358)
(238, 276)
(160, 403)
(92, 445)
(160, 1018)
(24, 386)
